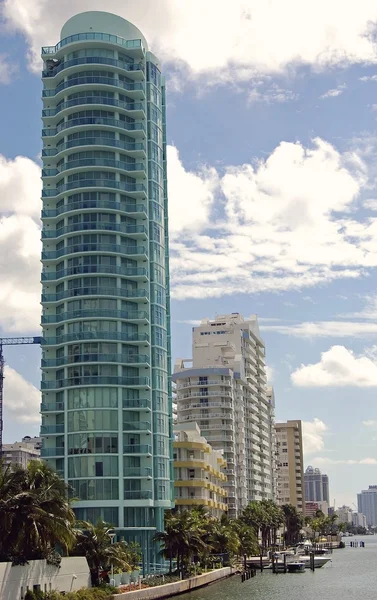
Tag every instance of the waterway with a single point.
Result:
(352, 575)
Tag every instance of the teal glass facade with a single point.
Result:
(106, 396)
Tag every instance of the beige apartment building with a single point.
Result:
(290, 464)
(199, 471)
(19, 453)
(224, 390)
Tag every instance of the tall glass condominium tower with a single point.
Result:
(106, 402)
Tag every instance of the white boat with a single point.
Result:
(319, 561)
(296, 567)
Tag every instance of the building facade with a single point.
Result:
(225, 392)
(316, 486)
(345, 514)
(199, 471)
(359, 520)
(19, 453)
(290, 464)
(106, 402)
(367, 504)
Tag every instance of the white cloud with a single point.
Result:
(22, 399)
(273, 94)
(269, 373)
(322, 460)
(333, 93)
(240, 40)
(325, 329)
(8, 70)
(338, 367)
(20, 186)
(192, 194)
(261, 232)
(312, 433)
(370, 423)
(20, 245)
(368, 78)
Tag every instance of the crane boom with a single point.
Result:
(10, 342)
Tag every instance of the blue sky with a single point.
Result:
(272, 185)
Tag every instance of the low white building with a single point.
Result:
(345, 514)
(19, 453)
(359, 520)
(72, 575)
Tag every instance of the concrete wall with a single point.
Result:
(72, 574)
(171, 589)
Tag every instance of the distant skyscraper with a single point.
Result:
(290, 466)
(316, 486)
(367, 505)
(106, 406)
(225, 393)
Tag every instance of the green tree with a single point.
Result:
(95, 542)
(293, 523)
(35, 513)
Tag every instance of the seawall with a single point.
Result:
(178, 587)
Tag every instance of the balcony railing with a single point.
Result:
(48, 429)
(96, 335)
(137, 426)
(94, 141)
(52, 407)
(130, 87)
(104, 183)
(138, 495)
(96, 100)
(140, 315)
(85, 205)
(131, 472)
(45, 452)
(95, 226)
(96, 291)
(93, 60)
(95, 162)
(78, 381)
(102, 37)
(125, 359)
(85, 269)
(81, 248)
(137, 449)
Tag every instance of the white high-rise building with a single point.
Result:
(225, 392)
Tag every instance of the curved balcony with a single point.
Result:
(115, 292)
(89, 381)
(90, 80)
(112, 336)
(137, 426)
(138, 495)
(98, 37)
(136, 316)
(134, 272)
(52, 429)
(95, 141)
(138, 404)
(137, 449)
(133, 472)
(130, 230)
(94, 60)
(103, 121)
(52, 407)
(124, 359)
(137, 168)
(129, 251)
(133, 209)
(48, 452)
(133, 108)
(135, 188)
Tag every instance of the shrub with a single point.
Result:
(29, 595)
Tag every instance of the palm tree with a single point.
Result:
(95, 542)
(293, 523)
(35, 513)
